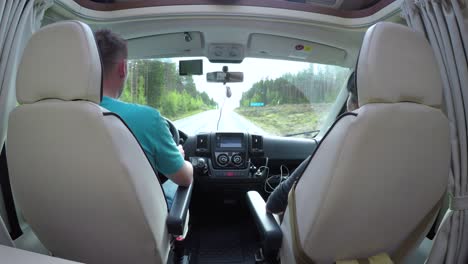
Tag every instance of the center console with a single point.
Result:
(227, 155)
(230, 151)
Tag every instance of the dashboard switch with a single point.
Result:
(223, 159)
(237, 159)
(201, 163)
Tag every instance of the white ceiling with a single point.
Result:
(341, 38)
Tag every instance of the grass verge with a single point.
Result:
(286, 119)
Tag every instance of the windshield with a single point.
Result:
(276, 97)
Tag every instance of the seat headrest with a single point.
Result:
(397, 64)
(61, 61)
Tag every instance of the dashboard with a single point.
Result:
(232, 157)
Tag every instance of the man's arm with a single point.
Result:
(184, 176)
(169, 158)
(278, 200)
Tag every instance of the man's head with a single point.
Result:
(353, 102)
(113, 51)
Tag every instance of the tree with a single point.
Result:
(317, 84)
(156, 83)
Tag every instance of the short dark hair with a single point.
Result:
(352, 88)
(111, 48)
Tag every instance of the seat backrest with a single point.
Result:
(13, 255)
(80, 177)
(382, 168)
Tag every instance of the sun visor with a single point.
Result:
(270, 46)
(166, 45)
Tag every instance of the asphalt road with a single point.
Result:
(207, 121)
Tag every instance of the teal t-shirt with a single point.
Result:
(152, 131)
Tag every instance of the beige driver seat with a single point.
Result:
(78, 174)
(380, 172)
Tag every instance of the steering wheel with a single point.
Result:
(174, 131)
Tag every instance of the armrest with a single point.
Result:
(270, 231)
(177, 215)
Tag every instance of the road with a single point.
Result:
(207, 121)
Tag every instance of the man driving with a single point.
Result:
(149, 127)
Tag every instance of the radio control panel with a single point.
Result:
(230, 159)
(230, 150)
(227, 154)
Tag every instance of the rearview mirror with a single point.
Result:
(225, 77)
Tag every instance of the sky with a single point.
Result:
(254, 70)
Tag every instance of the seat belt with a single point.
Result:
(15, 229)
(302, 258)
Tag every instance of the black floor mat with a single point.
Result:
(222, 244)
(225, 237)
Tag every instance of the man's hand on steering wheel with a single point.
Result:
(181, 150)
(175, 135)
(174, 131)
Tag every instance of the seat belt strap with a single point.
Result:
(15, 229)
(302, 258)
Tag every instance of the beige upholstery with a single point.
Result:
(10, 255)
(380, 170)
(58, 66)
(79, 176)
(393, 69)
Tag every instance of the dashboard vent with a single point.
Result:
(257, 143)
(202, 143)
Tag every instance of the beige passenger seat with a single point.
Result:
(375, 183)
(79, 176)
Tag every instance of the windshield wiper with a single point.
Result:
(307, 133)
